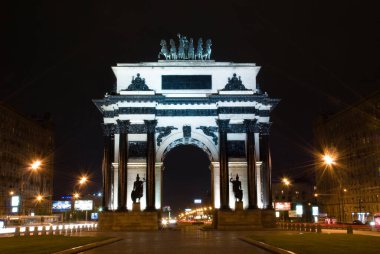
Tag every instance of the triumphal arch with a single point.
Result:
(186, 99)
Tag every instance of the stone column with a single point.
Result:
(223, 163)
(123, 127)
(150, 165)
(106, 167)
(267, 165)
(251, 163)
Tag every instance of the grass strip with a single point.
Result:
(44, 244)
(309, 243)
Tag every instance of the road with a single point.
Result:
(191, 240)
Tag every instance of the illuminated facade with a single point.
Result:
(24, 140)
(215, 106)
(350, 188)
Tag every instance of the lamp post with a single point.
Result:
(36, 168)
(329, 159)
(83, 180)
(286, 182)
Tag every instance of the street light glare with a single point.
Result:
(83, 180)
(328, 159)
(36, 164)
(39, 198)
(286, 181)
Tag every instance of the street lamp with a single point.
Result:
(39, 198)
(36, 165)
(329, 159)
(285, 181)
(83, 180)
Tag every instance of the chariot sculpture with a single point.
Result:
(186, 49)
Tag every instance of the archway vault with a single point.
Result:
(196, 139)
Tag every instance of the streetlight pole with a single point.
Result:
(329, 160)
(36, 168)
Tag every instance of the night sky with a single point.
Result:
(316, 56)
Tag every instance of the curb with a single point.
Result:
(88, 246)
(266, 246)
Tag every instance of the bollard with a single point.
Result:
(312, 228)
(350, 230)
(35, 231)
(17, 231)
(57, 230)
(27, 231)
(298, 227)
(51, 230)
(307, 228)
(319, 229)
(43, 232)
(302, 227)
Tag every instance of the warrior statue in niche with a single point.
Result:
(138, 189)
(236, 187)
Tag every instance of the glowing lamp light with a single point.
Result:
(83, 180)
(328, 159)
(76, 195)
(39, 198)
(286, 181)
(36, 165)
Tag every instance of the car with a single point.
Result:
(357, 222)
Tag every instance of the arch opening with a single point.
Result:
(186, 176)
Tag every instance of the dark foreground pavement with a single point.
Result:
(188, 240)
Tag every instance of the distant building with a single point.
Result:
(23, 141)
(287, 197)
(350, 188)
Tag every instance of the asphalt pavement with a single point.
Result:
(184, 241)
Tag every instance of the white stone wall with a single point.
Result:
(152, 72)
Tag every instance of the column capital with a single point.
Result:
(223, 124)
(250, 125)
(150, 125)
(264, 128)
(123, 126)
(108, 129)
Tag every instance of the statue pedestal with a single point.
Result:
(129, 221)
(239, 206)
(136, 207)
(249, 219)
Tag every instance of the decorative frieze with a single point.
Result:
(234, 83)
(163, 132)
(210, 131)
(138, 84)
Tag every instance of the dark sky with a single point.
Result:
(56, 57)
